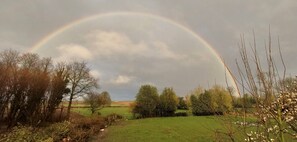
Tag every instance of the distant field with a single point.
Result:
(82, 104)
(172, 129)
(121, 103)
(124, 111)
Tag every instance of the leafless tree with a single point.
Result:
(80, 80)
(276, 106)
(58, 89)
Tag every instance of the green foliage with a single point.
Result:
(213, 101)
(247, 101)
(222, 100)
(203, 104)
(147, 100)
(54, 132)
(168, 102)
(195, 105)
(182, 104)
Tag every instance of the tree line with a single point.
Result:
(149, 103)
(31, 88)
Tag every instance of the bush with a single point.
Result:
(80, 129)
(54, 132)
(112, 118)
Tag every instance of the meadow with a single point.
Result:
(173, 129)
(191, 128)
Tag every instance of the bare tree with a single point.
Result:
(9, 60)
(58, 88)
(97, 101)
(276, 106)
(80, 81)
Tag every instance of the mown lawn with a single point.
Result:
(171, 129)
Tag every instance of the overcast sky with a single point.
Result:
(153, 42)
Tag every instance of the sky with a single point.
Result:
(166, 43)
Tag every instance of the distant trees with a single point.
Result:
(245, 101)
(168, 102)
(223, 99)
(104, 99)
(97, 101)
(149, 104)
(182, 104)
(92, 99)
(216, 100)
(147, 100)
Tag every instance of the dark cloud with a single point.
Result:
(23, 23)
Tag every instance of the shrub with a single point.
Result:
(80, 129)
(54, 132)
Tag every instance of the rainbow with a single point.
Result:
(64, 28)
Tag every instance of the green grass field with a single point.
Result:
(124, 111)
(171, 129)
(158, 129)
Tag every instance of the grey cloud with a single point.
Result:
(23, 23)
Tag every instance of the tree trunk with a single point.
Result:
(69, 106)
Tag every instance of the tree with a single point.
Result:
(223, 99)
(203, 104)
(195, 105)
(104, 99)
(31, 88)
(92, 99)
(168, 102)
(28, 79)
(9, 60)
(97, 101)
(182, 104)
(245, 101)
(80, 81)
(58, 88)
(147, 100)
(274, 110)
(216, 100)
(289, 84)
